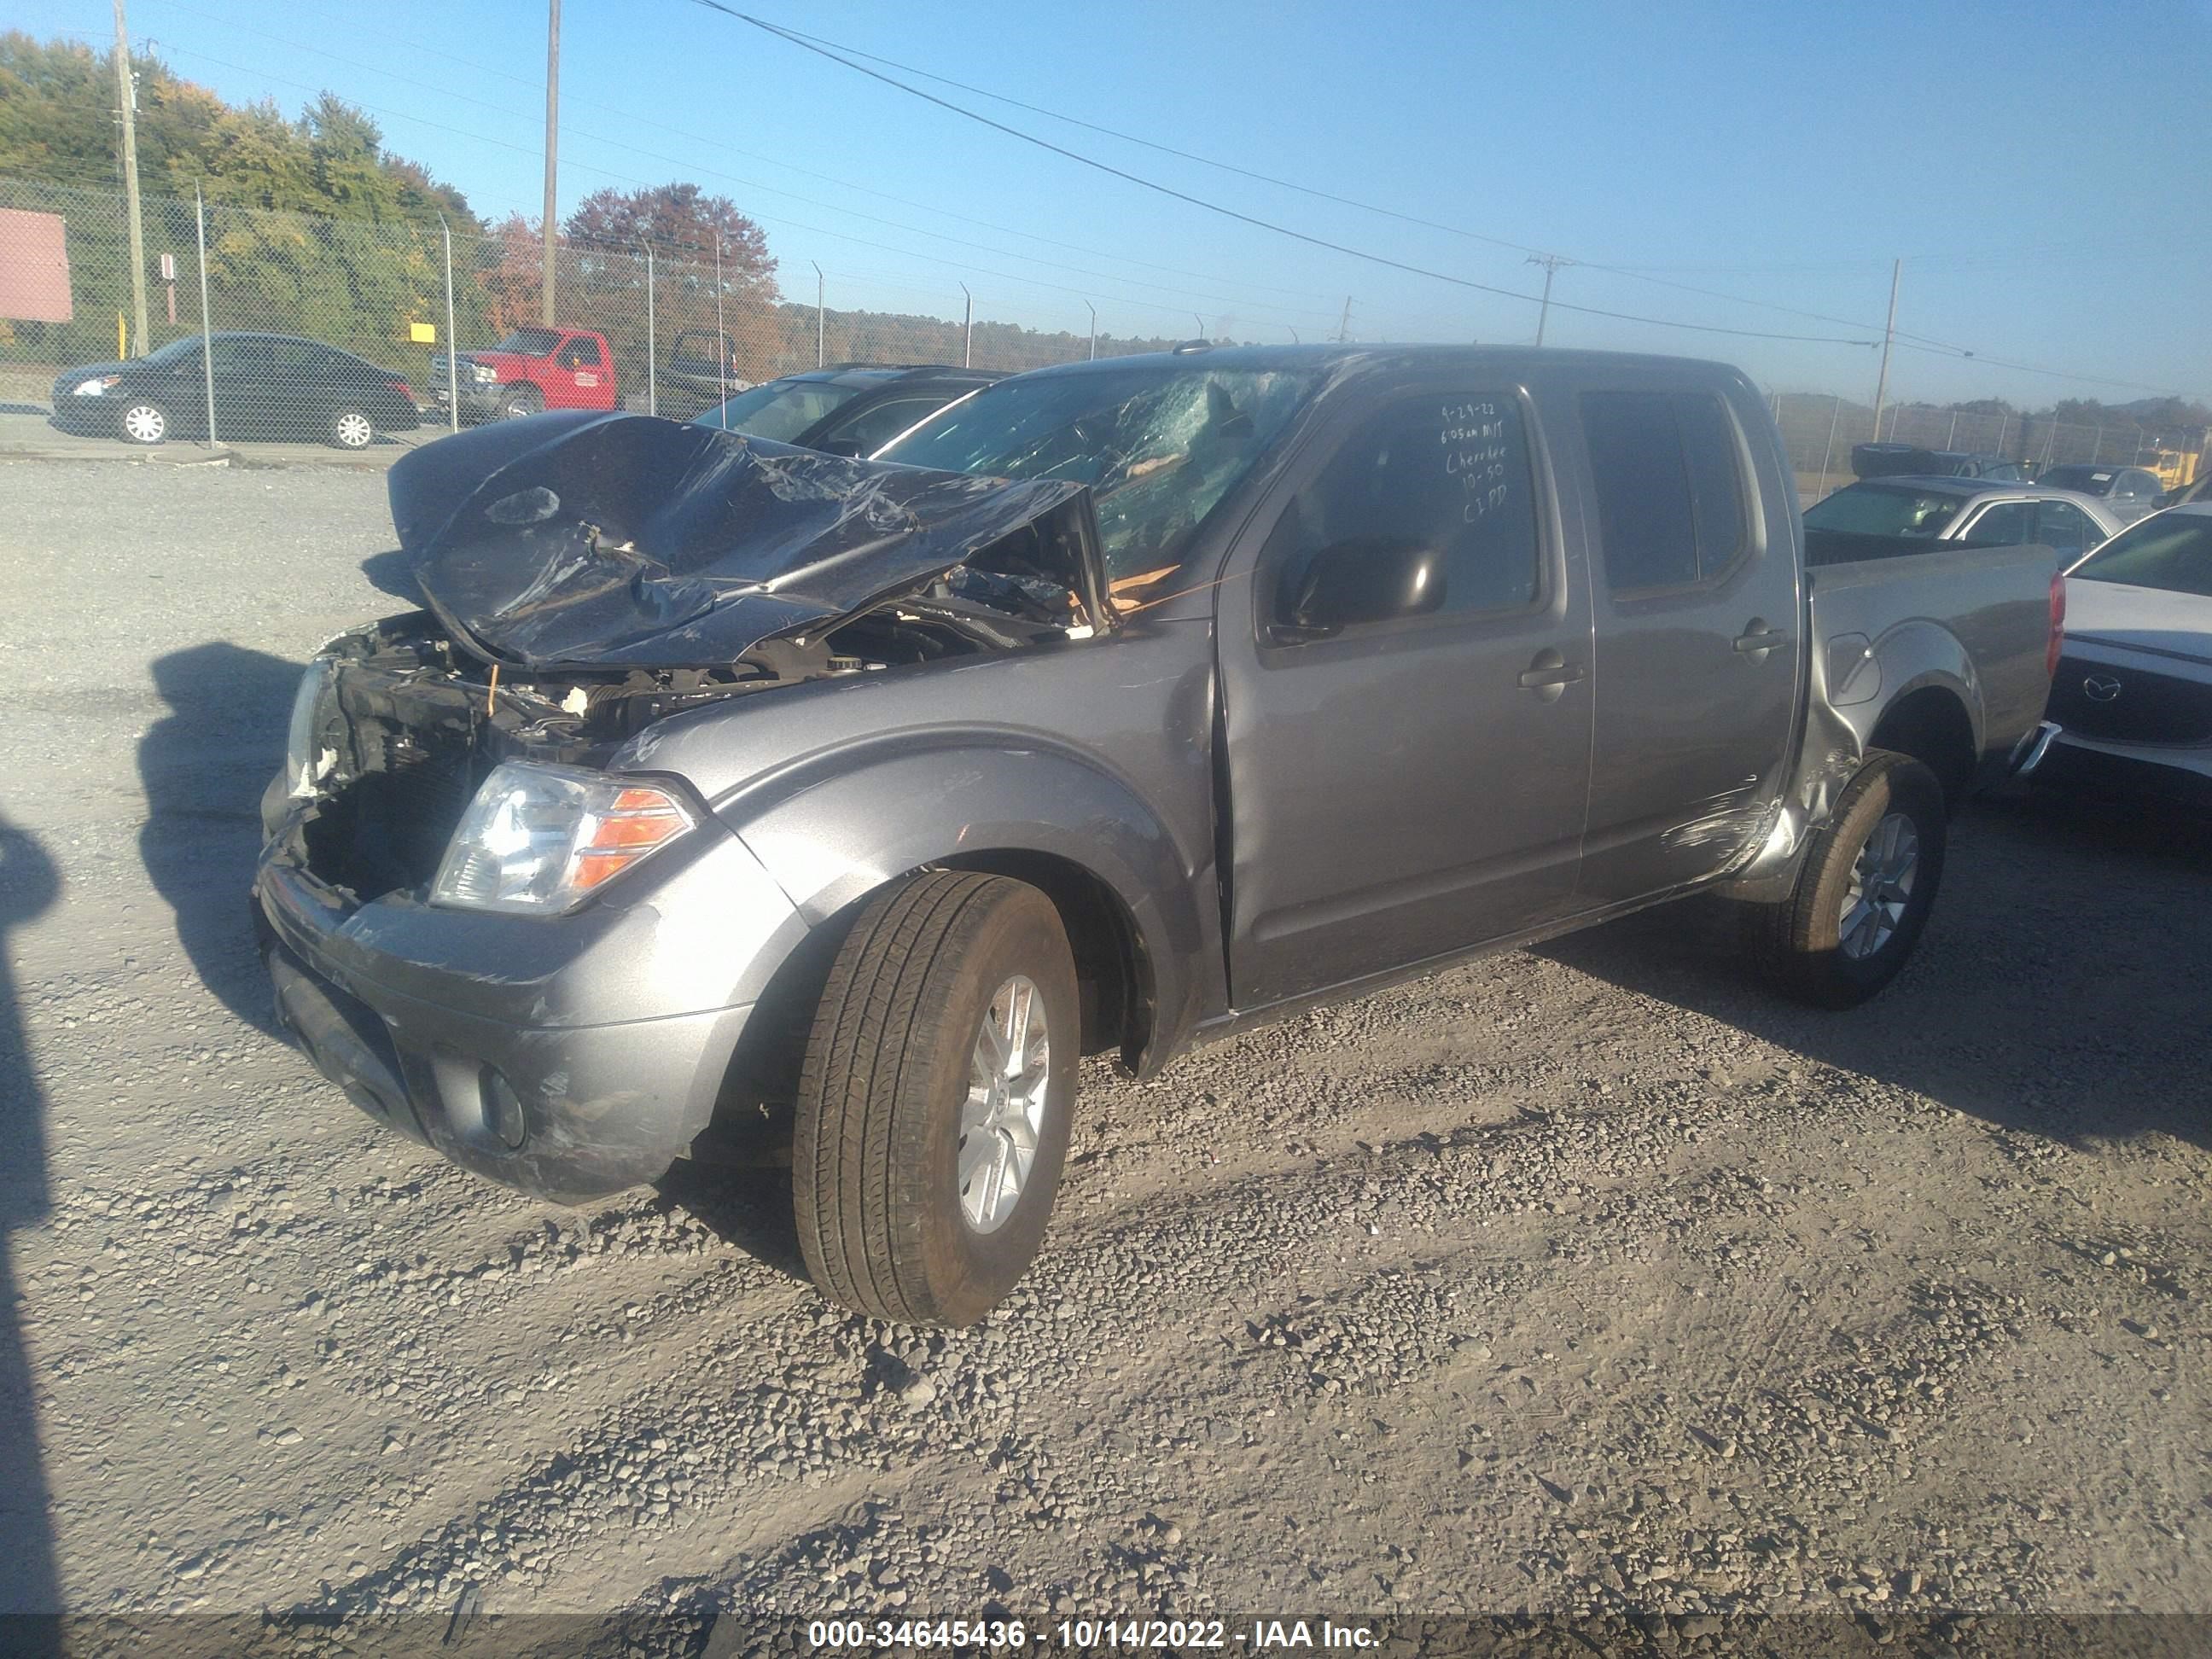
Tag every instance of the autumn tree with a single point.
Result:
(604, 268)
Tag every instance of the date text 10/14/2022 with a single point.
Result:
(1084, 1635)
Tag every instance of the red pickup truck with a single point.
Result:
(531, 370)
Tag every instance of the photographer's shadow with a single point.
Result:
(203, 766)
(30, 1590)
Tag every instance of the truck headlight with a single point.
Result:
(482, 373)
(538, 839)
(306, 758)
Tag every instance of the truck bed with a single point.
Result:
(1979, 616)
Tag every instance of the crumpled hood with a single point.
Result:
(627, 541)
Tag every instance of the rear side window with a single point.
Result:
(2063, 525)
(1669, 487)
(1451, 471)
(2008, 523)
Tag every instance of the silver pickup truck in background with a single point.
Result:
(1117, 707)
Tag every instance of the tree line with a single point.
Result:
(314, 227)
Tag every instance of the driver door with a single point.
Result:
(1404, 788)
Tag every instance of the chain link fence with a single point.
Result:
(1820, 431)
(264, 324)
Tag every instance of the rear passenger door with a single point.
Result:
(1404, 788)
(2065, 527)
(1698, 614)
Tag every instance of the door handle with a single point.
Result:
(1758, 639)
(1549, 675)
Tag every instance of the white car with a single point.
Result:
(2133, 693)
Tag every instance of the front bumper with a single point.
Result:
(480, 401)
(2091, 766)
(568, 1057)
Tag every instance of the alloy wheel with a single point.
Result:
(1002, 1117)
(1881, 887)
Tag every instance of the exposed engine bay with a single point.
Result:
(628, 570)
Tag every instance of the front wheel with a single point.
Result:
(935, 1102)
(519, 402)
(1868, 885)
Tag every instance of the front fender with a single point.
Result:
(846, 831)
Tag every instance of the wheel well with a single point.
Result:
(1930, 724)
(1113, 981)
(1112, 976)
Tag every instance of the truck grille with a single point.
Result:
(2129, 705)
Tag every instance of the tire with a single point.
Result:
(142, 421)
(351, 428)
(879, 1152)
(1827, 944)
(519, 402)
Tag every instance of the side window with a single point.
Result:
(294, 359)
(581, 353)
(873, 428)
(2063, 525)
(239, 356)
(1450, 473)
(2142, 485)
(1670, 495)
(2008, 524)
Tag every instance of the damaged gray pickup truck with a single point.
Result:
(725, 788)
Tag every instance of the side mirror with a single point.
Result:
(1361, 579)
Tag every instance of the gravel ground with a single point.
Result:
(1582, 1278)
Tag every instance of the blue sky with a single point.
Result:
(2040, 169)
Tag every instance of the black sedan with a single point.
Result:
(266, 385)
(848, 408)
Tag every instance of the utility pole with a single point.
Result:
(968, 330)
(552, 151)
(1888, 334)
(1344, 323)
(1551, 262)
(126, 99)
(1093, 310)
(721, 331)
(452, 361)
(821, 321)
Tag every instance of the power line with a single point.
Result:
(1250, 219)
(817, 41)
(1923, 344)
(1536, 255)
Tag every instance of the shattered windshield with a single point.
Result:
(1159, 447)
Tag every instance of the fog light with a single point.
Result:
(503, 1110)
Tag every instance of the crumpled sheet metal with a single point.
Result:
(625, 541)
